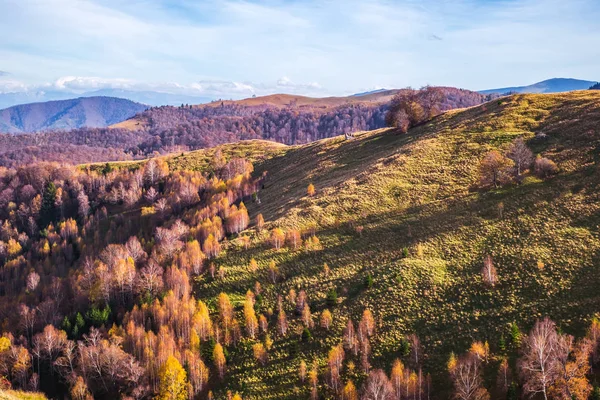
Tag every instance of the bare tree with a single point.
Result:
(488, 272)
(521, 156)
(539, 366)
(377, 387)
(466, 376)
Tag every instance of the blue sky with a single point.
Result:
(236, 48)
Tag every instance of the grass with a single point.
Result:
(418, 191)
(200, 160)
(19, 395)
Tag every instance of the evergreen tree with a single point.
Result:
(49, 212)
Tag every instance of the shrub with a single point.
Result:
(545, 167)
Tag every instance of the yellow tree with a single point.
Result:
(277, 238)
(173, 381)
(219, 359)
(326, 319)
(310, 190)
(350, 392)
(250, 317)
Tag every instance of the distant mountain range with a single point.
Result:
(555, 85)
(91, 112)
(370, 92)
(145, 97)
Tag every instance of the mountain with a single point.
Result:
(17, 98)
(264, 289)
(92, 112)
(555, 85)
(150, 97)
(370, 92)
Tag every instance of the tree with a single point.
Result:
(282, 324)
(521, 156)
(495, 169)
(411, 107)
(33, 279)
(79, 390)
(349, 392)
(219, 360)
(173, 381)
(574, 365)
(302, 371)
(488, 272)
(335, 359)
(250, 317)
(211, 246)
(310, 190)
(466, 376)
(293, 239)
(277, 238)
(260, 222)
(48, 212)
(545, 167)
(260, 354)
(377, 386)
(326, 319)
(253, 267)
(397, 378)
(504, 377)
(83, 205)
(539, 366)
(273, 271)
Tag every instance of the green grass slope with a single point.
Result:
(417, 191)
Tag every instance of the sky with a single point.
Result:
(233, 49)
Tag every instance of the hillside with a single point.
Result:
(414, 192)
(554, 85)
(280, 103)
(91, 112)
(398, 224)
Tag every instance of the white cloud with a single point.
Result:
(220, 46)
(214, 89)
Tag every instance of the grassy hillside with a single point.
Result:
(418, 191)
(19, 395)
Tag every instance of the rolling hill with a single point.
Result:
(92, 112)
(554, 85)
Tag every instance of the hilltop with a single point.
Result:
(554, 85)
(91, 112)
